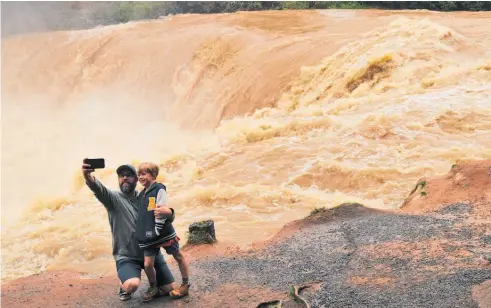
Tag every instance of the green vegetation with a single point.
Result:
(317, 210)
(422, 184)
(292, 295)
(133, 10)
(30, 16)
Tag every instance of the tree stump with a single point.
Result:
(202, 232)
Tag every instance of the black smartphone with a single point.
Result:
(95, 163)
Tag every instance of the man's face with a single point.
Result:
(127, 181)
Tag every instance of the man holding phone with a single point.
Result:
(122, 212)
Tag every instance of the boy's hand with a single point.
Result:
(162, 212)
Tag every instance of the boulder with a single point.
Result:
(202, 233)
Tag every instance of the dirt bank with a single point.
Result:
(356, 257)
(467, 181)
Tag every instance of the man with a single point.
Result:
(122, 212)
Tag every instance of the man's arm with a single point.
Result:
(100, 191)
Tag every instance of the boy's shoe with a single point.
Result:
(151, 292)
(162, 294)
(123, 295)
(180, 292)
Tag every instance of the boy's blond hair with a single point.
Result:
(148, 167)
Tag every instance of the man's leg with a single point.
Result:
(165, 279)
(129, 274)
(131, 285)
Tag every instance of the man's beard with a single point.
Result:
(128, 188)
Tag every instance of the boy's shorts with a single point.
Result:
(171, 247)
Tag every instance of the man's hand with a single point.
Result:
(87, 170)
(162, 212)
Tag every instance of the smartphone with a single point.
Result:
(95, 163)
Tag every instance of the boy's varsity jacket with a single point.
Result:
(149, 232)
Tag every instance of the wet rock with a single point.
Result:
(271, 304)
(202, 233)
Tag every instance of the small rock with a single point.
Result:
(202, 233)
(271, 304)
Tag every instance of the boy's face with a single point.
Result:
(145, 178)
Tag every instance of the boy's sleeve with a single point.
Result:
(161, 201)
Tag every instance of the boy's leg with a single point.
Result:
(183, 266)
(165, 279)
(150, 270)
(149, 261)
(173, 250)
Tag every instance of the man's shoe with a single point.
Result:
(123, 295)
(180, 292)
(152, 292)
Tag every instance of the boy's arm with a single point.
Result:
(161, 212)
(100, 191)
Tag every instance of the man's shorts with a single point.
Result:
(131, 268)
(171, 247)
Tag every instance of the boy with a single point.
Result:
(154, 233)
